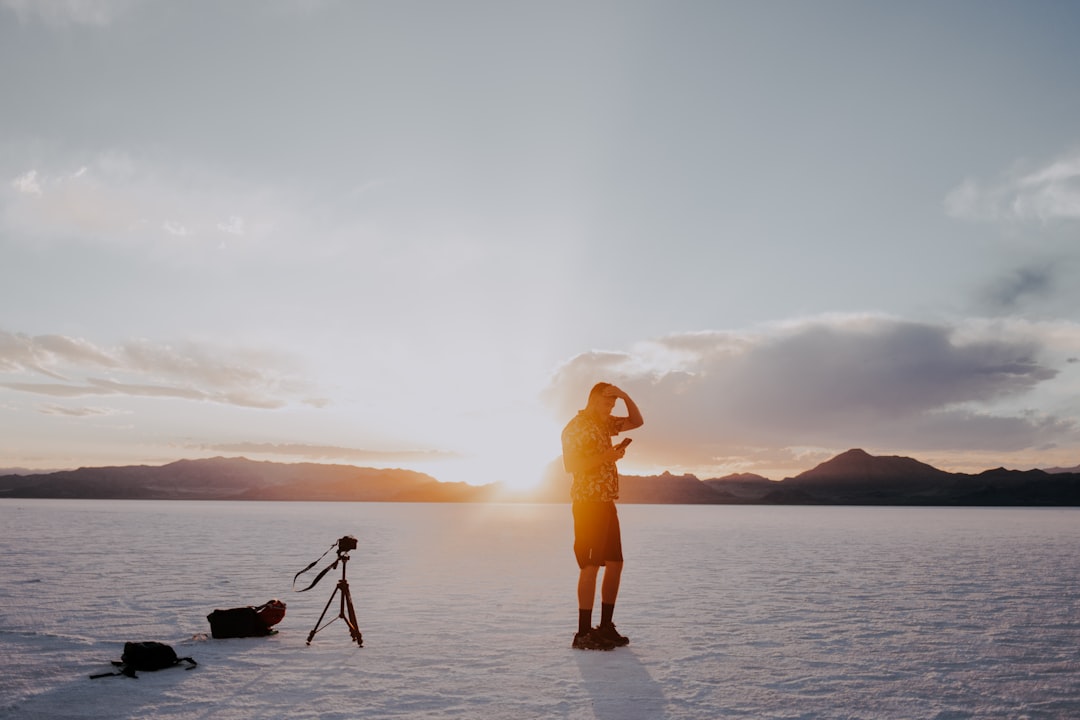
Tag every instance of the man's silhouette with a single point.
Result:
(589, 455)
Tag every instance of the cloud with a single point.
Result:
(174, 228)
(117, 199)
(1047, 194)
(234, 226)
(331, 452)
(76, 411)
(141, 368)
(829, 382)
(1020, 286)
(61, 13)
(27, 184)
(43, 353)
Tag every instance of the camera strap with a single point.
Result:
(318, 577)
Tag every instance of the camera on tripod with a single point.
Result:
(346, 611)
(345, 544)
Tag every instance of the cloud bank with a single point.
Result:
(718, 398)
(141, 368)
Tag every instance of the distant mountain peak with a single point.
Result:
(744, 477)
(858, 465)
(853, 453)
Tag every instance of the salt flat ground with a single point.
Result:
(467, 611)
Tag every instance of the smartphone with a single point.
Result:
(625, 442)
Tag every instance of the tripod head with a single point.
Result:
(345, 544)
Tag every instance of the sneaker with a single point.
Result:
(608, 632)
(591, 640)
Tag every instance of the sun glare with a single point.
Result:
(514, 454)
(508, 469)
(513, 465)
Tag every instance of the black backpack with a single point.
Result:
(237, 623)
(146, 656)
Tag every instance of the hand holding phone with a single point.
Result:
(624, 443)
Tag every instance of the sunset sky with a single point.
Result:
(413, 234)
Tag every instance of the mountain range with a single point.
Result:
(851, 478)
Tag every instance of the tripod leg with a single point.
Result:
(354, 627)
(319, 621)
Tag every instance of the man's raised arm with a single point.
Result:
(633, 419)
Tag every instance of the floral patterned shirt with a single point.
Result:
(584, 437)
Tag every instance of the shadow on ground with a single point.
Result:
(620, 685)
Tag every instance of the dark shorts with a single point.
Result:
(597, 538)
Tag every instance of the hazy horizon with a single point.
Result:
(415, 233)
(509, 486)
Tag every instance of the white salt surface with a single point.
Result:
(467, 611)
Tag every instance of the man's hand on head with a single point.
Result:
(615, 392)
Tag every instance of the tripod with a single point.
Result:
(346, 604)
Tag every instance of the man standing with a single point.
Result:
(590, 457)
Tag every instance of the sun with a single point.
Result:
(511, 466)
(513, 453)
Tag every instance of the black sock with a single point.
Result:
(584, 620)
(606, 611)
